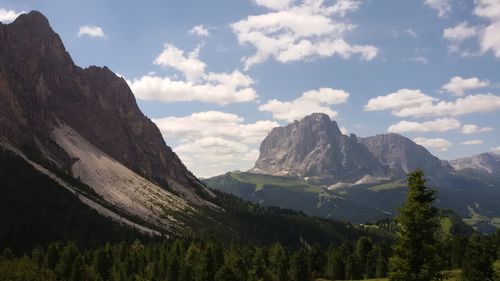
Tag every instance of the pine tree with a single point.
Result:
(299, 269)
(335, 266)
(477, 262)
(353, 268)
(415, 253)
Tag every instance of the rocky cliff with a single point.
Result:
(41, 88)
(314, 148)
(485, 163)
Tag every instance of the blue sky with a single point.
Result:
(217, 75)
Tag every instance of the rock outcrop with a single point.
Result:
(315, 149)
(41, 89)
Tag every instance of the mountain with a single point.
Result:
(402, 155)
(86, 122)
(77, 156)
(315, 149)
(484, 164)
(310, 166)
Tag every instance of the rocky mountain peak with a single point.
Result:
(315, 148)
(486, 163)
(42, 91)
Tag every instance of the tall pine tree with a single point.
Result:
(415, 253)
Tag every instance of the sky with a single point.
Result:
(216, 76)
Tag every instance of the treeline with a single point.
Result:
(203, 260)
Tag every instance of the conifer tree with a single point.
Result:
(415, 253)
(476, 262)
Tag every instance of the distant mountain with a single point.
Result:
(315, 149)
(309, 165)
(485, 163)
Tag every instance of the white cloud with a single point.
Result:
(200, 30)
(438, 125)
(489, 39)
(419, 59)
(443, 7)
(435, 143)
(7, 16)
(460, 32)
(213, 87)
(404, 98)
(274, 4)
(214, 142)
(214, 124)
(472, 129)
(302, 31)
(412, 33)
(459, 85)
(189, 65)
(414, 103)
(472, 142)
(92, 31)
(496, 149)
(310, 102)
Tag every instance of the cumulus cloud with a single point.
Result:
(397, 101)
(213, 142)
(214, 124)
(442, 7)
(472, 129)
(496, 149)
(489, 39)
(299, 31)
(311, 101)
(92, 31)
(414, 103)
(274, 4)
(438, 125)
(433, 143)
(199, 85)
(189, 65)
(7, 16)
(458, 34)
(459, 85)
(472, 142)
(200, 30)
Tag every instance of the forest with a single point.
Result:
(52, 237)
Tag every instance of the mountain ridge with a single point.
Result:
(314, 148)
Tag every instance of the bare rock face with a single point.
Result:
(41, 88)
(402, 155)
(485, 163)
(314, 148)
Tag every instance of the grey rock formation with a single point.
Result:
(402, 155)
(314, 148)
(41, 87)
(485, 163)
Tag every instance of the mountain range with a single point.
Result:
(77, 156)
(310, 165)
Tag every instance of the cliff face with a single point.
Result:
(402, 155)
(41, 89)
(314, 148)
(485, 163)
